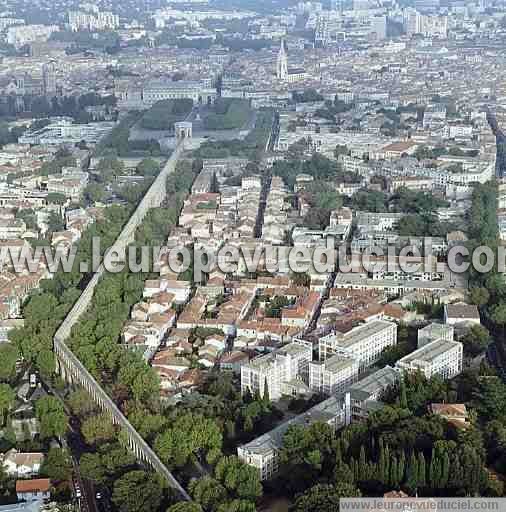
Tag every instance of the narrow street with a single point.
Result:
(76, 446)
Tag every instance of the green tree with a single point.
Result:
(52, 417)
(324, 498)
(97, 429)
(57, 464)
(185, 506)
(81, 403)
(237, 506)
(239, 478)
(498, 316)
(92, 468)
(412, 472)
(7, 397)
(422, 471)
(56, 198)
(8, 358)
(94, 193)
(479, 295)
(476, 340)
(137, 491)
(403, 397)
(148, 167)
(46, 363)
(208, 492)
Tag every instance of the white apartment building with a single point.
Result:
(24, 34)
(80, 20)
(429, 26)
(64, 132)
(439, 357)
(378, 221)
(364, 343)
(365, 395)
(434, 332)
(263, 452)
(288, 364)
(333, 375)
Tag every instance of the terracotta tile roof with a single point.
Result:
(36, 485)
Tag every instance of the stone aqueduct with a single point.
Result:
(69, 366)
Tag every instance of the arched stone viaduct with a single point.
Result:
(74, 371)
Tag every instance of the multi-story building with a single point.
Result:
(24, 34)
(334, 375)
(379, 221)
(157, 90)
(439, 357)
(364, 343)
(366, 394)
(429, 26)
(263, 452)
(49, 79)
(281, 371)
(81, 20)
(434, 332)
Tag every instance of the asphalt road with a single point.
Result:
(76, 445)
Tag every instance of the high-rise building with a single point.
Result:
(364, 343)
(282, 63)
(429, 26)
(49, 79)
(334, 375)
(439, 357)
(379, 27)
(279, 372)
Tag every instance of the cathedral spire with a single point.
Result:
(282, 64)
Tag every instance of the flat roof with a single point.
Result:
(429, 352)
(273, 440)
(264, 361)
(338, 362)
(357, 334)
(377, 381)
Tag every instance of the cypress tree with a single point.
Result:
(401, 467)
(422, 471)
(432, 470)
(445, 471)
(339, 455)
(354, 469)
(248, 424)
(456, 480)
(382, 466)
(403, 397)
(435, 471)
(394, 472)
(266, 399)
(412, 472)
(387, 464)
(362, 464)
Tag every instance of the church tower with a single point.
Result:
(49, 79)
(282, 64)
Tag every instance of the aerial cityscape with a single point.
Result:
(252, 254)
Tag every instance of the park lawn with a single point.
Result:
(228, 114)
(163, 114)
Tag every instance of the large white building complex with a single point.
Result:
(284, 371)
(437, 353)
(440, 357)
(366, 394)
(363, 343)
(333, 375)
(137, 95)
(263, 452)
